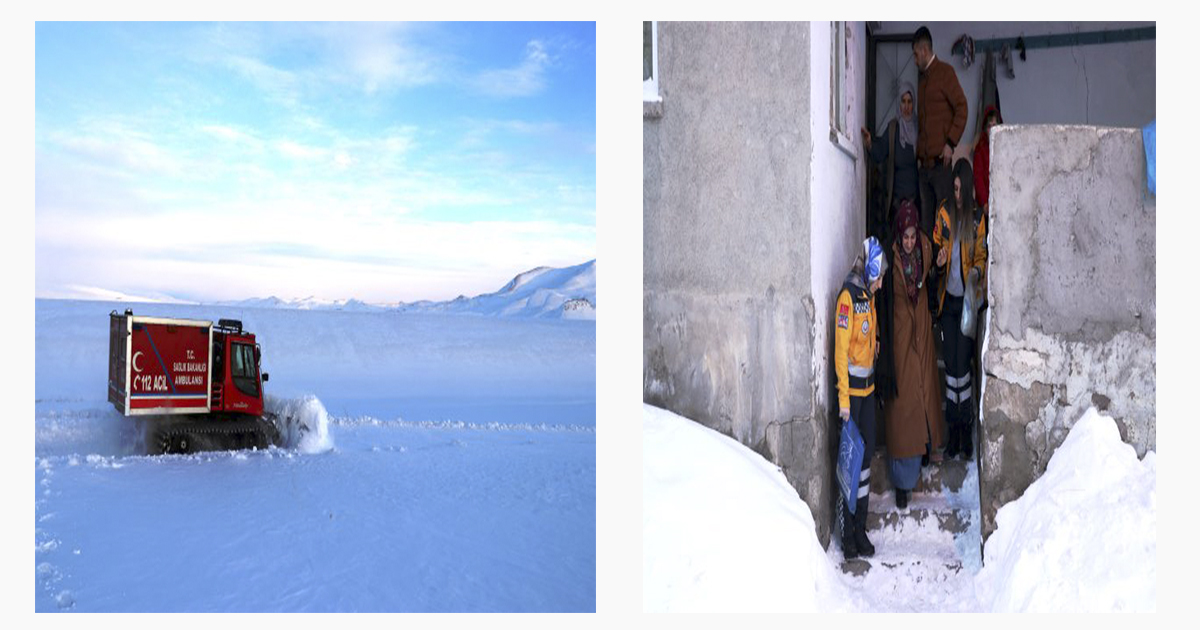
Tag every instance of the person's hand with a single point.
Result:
(844, 414)
(866, 135)
(941, 257)
(947, 153)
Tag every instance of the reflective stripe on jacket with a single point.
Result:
(854, 340)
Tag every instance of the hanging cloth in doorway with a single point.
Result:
(990, 93)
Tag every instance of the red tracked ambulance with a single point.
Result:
(198, 385)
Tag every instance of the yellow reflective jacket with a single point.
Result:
(944, 236)
(855, 340)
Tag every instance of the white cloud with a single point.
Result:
(382, 152)
(377, 56)
(115, 146)
(234, 136)
(525, 79)
(298, 151)
(312, 201)
(297, 249)
(280, 85)
(226, 132)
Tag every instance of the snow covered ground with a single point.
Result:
(457, 472)
(723, 530)
(1083, 536)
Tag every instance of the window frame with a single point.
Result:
(244, 353)
(650, 86)
(839, 62)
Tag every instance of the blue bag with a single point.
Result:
(849, 462)
(1148, 140)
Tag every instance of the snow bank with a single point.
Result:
(304, 423)
(1083, 536)
(722, 529)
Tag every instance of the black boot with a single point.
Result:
(966, 441)
(865, 548)
(849, 546)
(901, 498)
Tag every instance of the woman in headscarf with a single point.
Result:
(855, 350)
(897, 147)
(959, 241)
(913, 419)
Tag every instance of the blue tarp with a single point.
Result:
(1148, 140)
(849, 468)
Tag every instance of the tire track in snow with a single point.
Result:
(366, 420)
(46, 545)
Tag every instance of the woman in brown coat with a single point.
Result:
(913, 419)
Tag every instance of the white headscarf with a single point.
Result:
(908, 127)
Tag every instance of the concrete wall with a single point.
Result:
(728, 309)
(1072, 289)
(1105, 84)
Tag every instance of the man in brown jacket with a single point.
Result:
(941, 119)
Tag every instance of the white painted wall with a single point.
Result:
(838, 183)
(1109, 85)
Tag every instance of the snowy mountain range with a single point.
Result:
(542, 292)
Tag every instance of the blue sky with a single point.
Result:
(380, 161)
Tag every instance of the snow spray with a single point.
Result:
(303, 423)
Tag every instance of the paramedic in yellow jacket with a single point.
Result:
(856, 346)
(960, 239)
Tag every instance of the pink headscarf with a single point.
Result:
(910, 264)
(906, 217)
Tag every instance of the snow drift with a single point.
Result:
(1083, 536)
(722, 529)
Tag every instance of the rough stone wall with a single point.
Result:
(727, 307)
(1072, 289)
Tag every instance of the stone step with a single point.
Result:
(917, 570)
(928, 517)
(936, 478)
(917, 517)
(929, 540)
